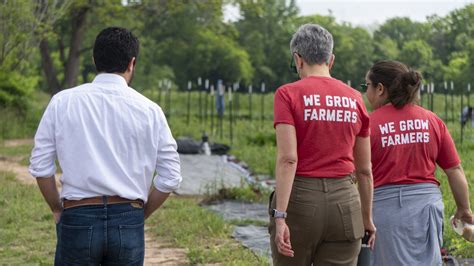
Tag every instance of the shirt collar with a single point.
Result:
(110, 78)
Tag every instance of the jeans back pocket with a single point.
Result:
(75, 242)
(132, 242)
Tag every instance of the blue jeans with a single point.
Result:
(101, 235)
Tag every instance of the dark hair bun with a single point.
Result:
(404, 88)
(411, 78)
(402, 82)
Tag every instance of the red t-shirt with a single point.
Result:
(406, 145)
(327, 115)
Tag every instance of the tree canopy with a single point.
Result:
(51, 48)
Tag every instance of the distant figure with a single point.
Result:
(322, 129)
(466, 115)
(220, 101)
(109, 140)
(407, 143)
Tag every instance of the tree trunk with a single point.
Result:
(77, 36)
(48, 67)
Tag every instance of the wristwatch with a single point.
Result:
(278, 214)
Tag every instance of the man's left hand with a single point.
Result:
(57, 216)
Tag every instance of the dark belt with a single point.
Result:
(100, 200)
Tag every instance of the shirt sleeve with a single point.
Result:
(282, 113)
(43, 155)
(168, 171)
(447, 156)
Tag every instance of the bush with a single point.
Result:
(15, 90)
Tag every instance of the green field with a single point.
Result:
(253, 142)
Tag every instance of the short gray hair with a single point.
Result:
(313, 43)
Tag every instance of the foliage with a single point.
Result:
(265, 31)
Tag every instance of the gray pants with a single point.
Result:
(325, 222)
(409, 222)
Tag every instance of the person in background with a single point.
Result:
(407, 142)
(322, 130)
(109, 140)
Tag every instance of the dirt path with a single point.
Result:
(156, 252)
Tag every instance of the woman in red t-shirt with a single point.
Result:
(407, 141)
(322, 132)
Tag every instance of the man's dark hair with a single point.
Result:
(114, 47)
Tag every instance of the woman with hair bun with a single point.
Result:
(407, 141)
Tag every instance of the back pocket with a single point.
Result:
(351, 213)
(132, 242)
(75, 242)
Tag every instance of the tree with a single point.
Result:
(265, 32)
(61, 47)
(20, 22)
(402, 30)
(192, 40)
(417, 54)
(386, 48)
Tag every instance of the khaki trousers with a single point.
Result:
(325, 222)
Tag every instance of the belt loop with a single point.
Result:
(400, 197)
(104, 200)
(325, 185)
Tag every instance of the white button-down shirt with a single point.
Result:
(108, 139)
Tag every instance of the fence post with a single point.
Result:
(212, 109)
(237, 107)
(432, 96)
(460, 120)
(206, 96)
(452, 102)
(469, 94)
(160, 88)
(231, 131)
(421, 94)
(445, 101)
(189, 102)
(220, 107)
(262, 102)
(168, 99)
(250, 102)
(200, 99)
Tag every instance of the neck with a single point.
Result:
(315, 70)
(125, 75)
(381, 103)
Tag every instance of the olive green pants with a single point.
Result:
(325, 222)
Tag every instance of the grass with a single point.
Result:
(203, 233)
(27, 229)
(22, 152)
(28, 234)
(457, 245)
(254, 192)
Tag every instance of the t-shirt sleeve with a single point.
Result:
(447, 156)
(282, 109)
(364, 118)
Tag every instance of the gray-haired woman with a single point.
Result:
(322, 129)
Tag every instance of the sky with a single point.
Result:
(369, 13)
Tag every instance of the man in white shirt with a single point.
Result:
(109, 141)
